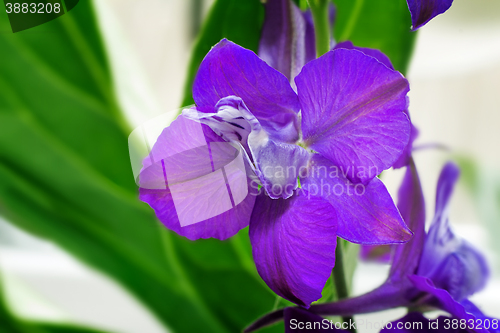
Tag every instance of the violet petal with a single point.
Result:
(422, 11)
(196, 184)
(448, 260)
(293, 245)
(353, 111)
(366, 214)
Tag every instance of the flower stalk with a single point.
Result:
(339, 280)
(319, 10)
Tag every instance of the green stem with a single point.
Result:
(319, 9)
(339, 279)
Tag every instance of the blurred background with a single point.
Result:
(455, 102)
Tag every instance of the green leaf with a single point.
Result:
(378, 24)
(65, 176)
(240, 21)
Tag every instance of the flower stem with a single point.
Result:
(319, 9)
(340, 281)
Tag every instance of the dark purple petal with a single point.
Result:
(411, 205)
(440, 298)
(448, 260)
(422, 11)
(283, 40)
(293, 245)
(366, 214)
(377, 54)
(197, 185)
(230, 70)
(353, 111)
(299, 320)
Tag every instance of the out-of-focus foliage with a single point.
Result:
(65, 176)
(378, 24)
(11, 324)
(484, 187)
(237, 20)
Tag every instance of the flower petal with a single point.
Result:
(283, 40)
(442, 299)
(366, 214)
(229, 69)
(377, 54)
(417, 324)
(353, 111)
(448, 260)
(411, 205)
(422, 11)
(293, 244)
(197, 185)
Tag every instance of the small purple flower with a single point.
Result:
(237, 157)
(422, 11)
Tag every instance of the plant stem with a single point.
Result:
(319, 9)
(339, 279)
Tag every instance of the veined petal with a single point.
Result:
(230, 70)
(283, 40)
(293, 245)
(366, 214)
(197, 185)
(353, 111)
(448, 260)
(422, 11)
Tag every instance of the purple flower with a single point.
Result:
(422, 11)
(237, 157)
(437, 270)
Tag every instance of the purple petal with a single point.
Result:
(377, 54)
(293, 244)
(449, 261)
(283, 40)
(441, 298)
(411, 204)
(366, 214)
(422, 11)
(299, 320)
(353, 111)
(197, 185)
(278, 166)
(404, 159)
(229, 69)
